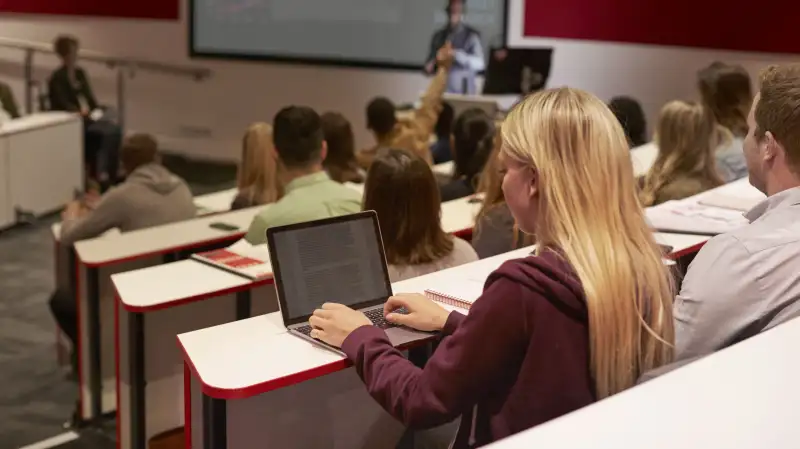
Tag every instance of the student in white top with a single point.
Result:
(747, 280)
(403, 191)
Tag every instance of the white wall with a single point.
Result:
(206, 119)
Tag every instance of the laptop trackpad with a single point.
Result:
(403, 335)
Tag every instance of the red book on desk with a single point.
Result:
(252, 262)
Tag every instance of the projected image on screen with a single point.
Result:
(372, 32)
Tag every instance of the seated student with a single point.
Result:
(631, 116)
(726, 91)
(69, 90)
(257, 179)
(745, 281)
(413, 135)
(402, 189)
(8, 106)
(341, 163)
(496, 231)
(310, 194)
(441, 150)
(526, 353)
(473, 140)
(150, 196)
(687, 138)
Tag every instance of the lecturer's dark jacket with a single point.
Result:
(64, 95)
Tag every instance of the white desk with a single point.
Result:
(233, 365)
(690, 216)
(214, 203)
(444, 169)
(742, 397)
(98, 258)
(170, 299)
(41, 164)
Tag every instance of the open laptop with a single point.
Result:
(339, 260)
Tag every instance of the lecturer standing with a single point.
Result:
(468, 49)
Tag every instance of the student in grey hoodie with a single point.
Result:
(150, 196)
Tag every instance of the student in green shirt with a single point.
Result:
(309, 193)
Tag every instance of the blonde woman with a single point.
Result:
(578, 321)
(687, 138)
(257, 180)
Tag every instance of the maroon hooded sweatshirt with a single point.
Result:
(520, 358)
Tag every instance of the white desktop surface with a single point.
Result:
(215, 202)
(459, 215)
(36, 121)
(243, 358)
(445, 168)
(154, 287)
(193, 232)
(743, 397)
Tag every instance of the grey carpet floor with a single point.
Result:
(36, 396)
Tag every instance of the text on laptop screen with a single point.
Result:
(338, 262)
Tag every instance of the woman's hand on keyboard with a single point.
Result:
(423, 314)
(334, 322)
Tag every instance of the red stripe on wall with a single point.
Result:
(766, 26)
(131, 9)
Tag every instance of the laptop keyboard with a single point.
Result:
(374, 315)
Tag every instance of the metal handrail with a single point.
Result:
(198, 73)
(124, 66)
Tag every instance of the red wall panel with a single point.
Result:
(139, 9)
(765, 26)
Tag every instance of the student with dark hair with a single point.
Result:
(150, 196)
(69, 90)
(402, 190)
(727, 92)
(473, 140)
(631, 116)
(309, 193)
(341, 163)
(412, 134)
(441, 149)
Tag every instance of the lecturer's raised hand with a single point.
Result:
(334, 322)
(423, 314)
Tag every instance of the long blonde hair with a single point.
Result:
(258, 170)
(687, 138)
(589, 213)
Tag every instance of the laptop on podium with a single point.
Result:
(339, 260)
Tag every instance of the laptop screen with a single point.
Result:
(334, 260)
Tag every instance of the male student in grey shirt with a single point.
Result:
(748, 280)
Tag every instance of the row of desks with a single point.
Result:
(157, 303)
(253, 367)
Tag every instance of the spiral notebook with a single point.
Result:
(460, 294)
